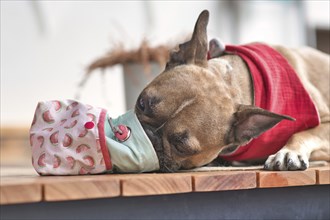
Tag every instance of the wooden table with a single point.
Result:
(22, 187)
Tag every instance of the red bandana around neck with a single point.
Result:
(278, 89)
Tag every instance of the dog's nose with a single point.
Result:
(141, 103)
(147, 104)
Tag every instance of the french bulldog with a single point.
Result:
(198, 109)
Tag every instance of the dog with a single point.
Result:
(198, 109)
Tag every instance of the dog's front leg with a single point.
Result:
(302, 147)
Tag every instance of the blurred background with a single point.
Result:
(47, 45)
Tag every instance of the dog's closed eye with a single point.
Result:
(181, 144)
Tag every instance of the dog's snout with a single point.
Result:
(146, 104)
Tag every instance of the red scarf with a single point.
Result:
(278, 89)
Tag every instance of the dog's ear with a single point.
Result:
(250, 122)
(195, 50)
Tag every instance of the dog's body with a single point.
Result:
(198, 108)
(313, 70)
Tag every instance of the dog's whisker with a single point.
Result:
(162, 125)
(170, 170)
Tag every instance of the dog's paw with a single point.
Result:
(287, 160)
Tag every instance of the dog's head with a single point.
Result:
(190, 114)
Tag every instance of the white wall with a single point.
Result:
(41, 63)
(46, 45)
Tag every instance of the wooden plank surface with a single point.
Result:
(155, 184)
(323, 175)
(219, 181)
(268, 179)
(19, 191)
(80, 187)
(23, 185)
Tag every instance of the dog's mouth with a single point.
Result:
(166, 163)
(155, 135)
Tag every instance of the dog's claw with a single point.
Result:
(266, 167)
(304, 164)
(290, 164)
(277, 165)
